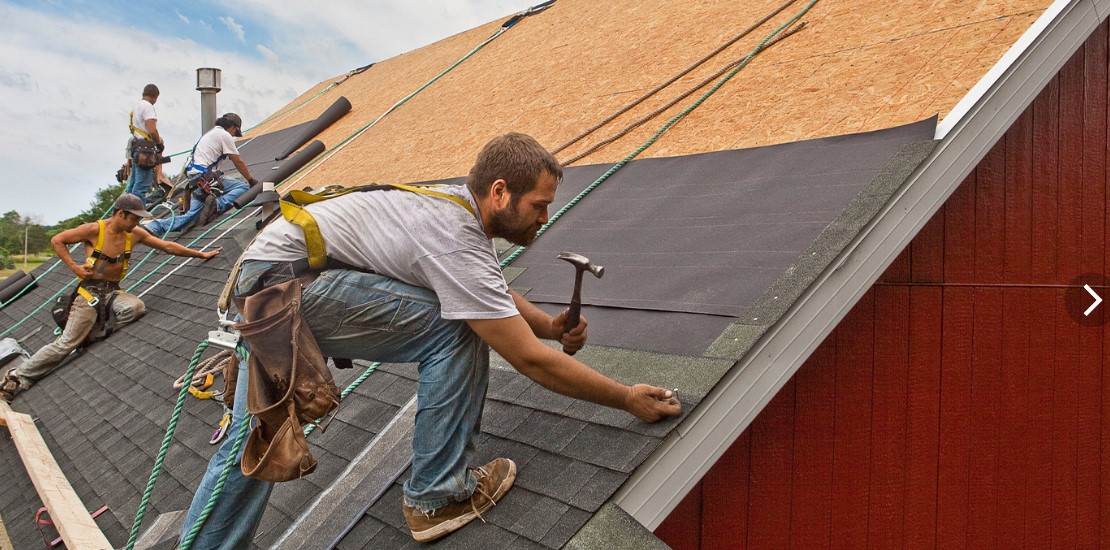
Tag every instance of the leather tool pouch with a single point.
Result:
(146, 153)
(289, 383)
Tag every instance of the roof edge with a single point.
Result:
(967, 134)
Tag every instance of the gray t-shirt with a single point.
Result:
(424, 241)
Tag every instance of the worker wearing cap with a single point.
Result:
(211, 192)
(98, 296)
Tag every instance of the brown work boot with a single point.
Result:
(9, 386)
(494, 480)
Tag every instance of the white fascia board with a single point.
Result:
(690, 451)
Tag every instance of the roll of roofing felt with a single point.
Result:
(13, 289)
(12, 279)
(327, 118)
(287, 168)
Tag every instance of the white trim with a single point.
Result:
(682, 460)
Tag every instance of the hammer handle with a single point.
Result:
(574, 314)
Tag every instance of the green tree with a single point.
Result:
(11, 231)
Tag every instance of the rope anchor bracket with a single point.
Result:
(226, 336)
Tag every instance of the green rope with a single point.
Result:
(651, 141)
(233, 453)
(165, 447)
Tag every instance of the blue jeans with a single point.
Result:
(367, 316)
(233, 188)
(140, 180)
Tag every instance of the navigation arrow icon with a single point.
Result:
(1098, 300)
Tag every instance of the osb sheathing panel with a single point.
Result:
(856, 66)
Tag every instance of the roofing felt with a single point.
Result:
(699, 235)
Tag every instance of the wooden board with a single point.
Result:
(69, 514)
(856, 66)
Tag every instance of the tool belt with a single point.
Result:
(145, 153)
(100, 295)
(208, 182)
(289, 383)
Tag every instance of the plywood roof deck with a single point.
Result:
(856, 66)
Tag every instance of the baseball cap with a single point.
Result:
(238, 122)
(133, 204)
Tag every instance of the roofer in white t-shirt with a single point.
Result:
(210, 192)
(414, 278)
(143, 124)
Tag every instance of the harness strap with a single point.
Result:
(314, 240)
(96, 255)
(131, 124)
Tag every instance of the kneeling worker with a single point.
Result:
(98, 297)
(412, 277)
(212, 193)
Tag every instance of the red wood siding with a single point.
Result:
(957, 405)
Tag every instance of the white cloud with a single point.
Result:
(234, 27)
(182, 17)
(266, 52)
(64, 101)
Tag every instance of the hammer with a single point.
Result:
(580, 263)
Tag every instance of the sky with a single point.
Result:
(72, 70)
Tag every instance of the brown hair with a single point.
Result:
(150, 90)
(516, 158)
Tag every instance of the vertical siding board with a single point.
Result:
(888, 421)
(772, 459)
(986, 382)
(959, 233)
(923, 407)
(1017, 256)
(955, 417)
(681, 529)
(851, 452)
(1038, 421)
(811, 497)
(927, 251)
(1092, 252)
(1064, 403)
(725, 498)
(1045, 137)
(1068, 181)
(1068, 235)
(1014, 439)
(990, 216)
(899, 269)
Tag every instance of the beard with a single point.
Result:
(508, 224)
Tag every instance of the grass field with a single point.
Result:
(32, 263)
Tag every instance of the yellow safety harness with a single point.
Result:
(293, 211)
(131, 124)
(98, 255)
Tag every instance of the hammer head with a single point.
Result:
(582, 263)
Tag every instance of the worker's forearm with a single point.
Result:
(538, 320)
(62, 251)
(565, 375)
(242, 167)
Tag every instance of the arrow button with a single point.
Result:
(1098, 300)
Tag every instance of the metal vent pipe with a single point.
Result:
(208, 84)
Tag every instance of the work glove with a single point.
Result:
(252, 182)
(161, 146)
